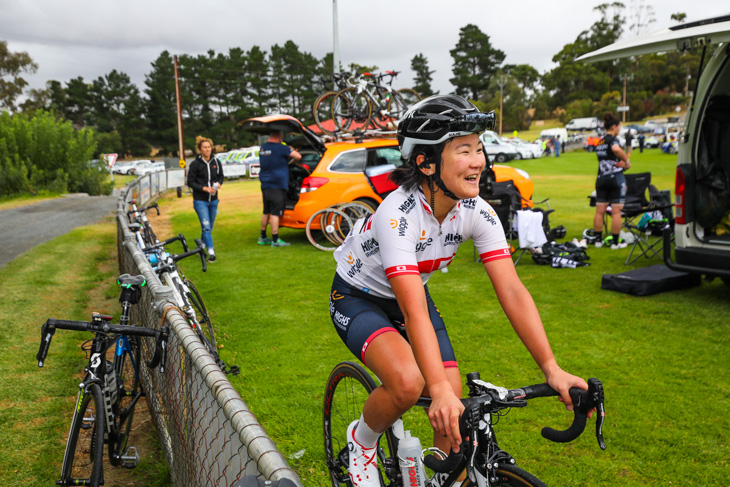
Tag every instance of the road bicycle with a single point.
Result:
(371, 101)
(185, 294)
(144, 234)
(110, 389)
(322, 106)
(486, 464)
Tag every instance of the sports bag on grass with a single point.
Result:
(649, 280)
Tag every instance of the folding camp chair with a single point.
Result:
(645, 219)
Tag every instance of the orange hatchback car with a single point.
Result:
(334, 172)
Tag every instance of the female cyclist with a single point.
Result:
(386, 261)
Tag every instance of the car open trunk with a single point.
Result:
(296, 135)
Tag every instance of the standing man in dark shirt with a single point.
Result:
(274, 177)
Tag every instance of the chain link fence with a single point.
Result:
(208, 434)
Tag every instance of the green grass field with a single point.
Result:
(663, 358)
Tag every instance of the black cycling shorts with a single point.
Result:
(359, 318)
(611, 189)
(274, 201)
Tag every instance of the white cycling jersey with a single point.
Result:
(403, 237)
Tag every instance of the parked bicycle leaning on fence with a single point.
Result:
(110, 389)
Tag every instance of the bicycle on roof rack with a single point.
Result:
(110, 389)
(322, 106)
(185, 294)
(370, 100)
(485, 463)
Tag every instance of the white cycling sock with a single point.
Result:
(211, 251)
(364, 435)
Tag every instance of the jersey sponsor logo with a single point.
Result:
(423, 235)
(401, 224)
(489, 215)
(356, 267)
(453, 239)
(341, 320)
(335, 296)
(370, 247)
(350, 258)
(265, 153)
(408, 204)
(421, 246)
(471, 203)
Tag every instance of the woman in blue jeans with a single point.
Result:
(205, 177)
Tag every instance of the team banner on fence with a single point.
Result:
(175, 178)
(234, 170)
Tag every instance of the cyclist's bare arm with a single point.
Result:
(522, 313)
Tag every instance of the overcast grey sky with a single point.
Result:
(89, 38)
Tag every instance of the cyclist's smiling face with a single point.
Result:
(462, 162)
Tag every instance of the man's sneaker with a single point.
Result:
(279, 243)
(620, 245)
(363, 461)
(211, 258)
(598, 244)
(264, 241)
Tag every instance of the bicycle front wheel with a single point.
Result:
(128, 362)
(348, 386)
(201, 313)
(327, 229)
(511, 476)
(350, 107)
(322, 111)
(82, 462)
(411, 97)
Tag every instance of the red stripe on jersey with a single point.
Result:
(400, 270)
(495, 255)
(368, 224)
(427, 266)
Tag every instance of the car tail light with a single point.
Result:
(680, 198)
(312, 184)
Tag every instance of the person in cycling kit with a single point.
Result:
(611, 182)
(379, 302)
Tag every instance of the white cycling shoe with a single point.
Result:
(363, 461)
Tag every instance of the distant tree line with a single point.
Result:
(219, 90)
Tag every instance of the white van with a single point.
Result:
(556, 132)
(498, 150)
(581, 124)
(702, 191)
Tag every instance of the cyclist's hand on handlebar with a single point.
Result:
(562, 381)
(444, 414)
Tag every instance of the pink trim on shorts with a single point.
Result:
(370, 340)
(450, 364)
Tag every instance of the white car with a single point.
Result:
(126, 167)
(525, 150)
(149, 167)
(498, 150)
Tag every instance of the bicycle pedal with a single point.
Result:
(130, 459)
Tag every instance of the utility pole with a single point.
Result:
(180, 136)
(501, 81)
(336, 39)
(625, 77)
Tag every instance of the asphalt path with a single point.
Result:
(26, 226)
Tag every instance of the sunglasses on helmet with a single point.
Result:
(472, 122)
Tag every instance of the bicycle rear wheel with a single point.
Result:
(348, 386)
(411, 97)
(83, 460)
(512, 476)
(129, 386)
(327, 229)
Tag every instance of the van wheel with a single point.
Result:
(518, 156)
(501, 158)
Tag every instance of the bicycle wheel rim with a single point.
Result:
(512, 476)
(201, 312)
(322, 111)
(324, 238)
(411, 97)
(348, 387)
(83, 460)
(397, 106)
(356, 210)
(129, 377)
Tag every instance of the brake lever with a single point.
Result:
(595, 389)
(203, 254)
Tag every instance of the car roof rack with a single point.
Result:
(358, 135)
